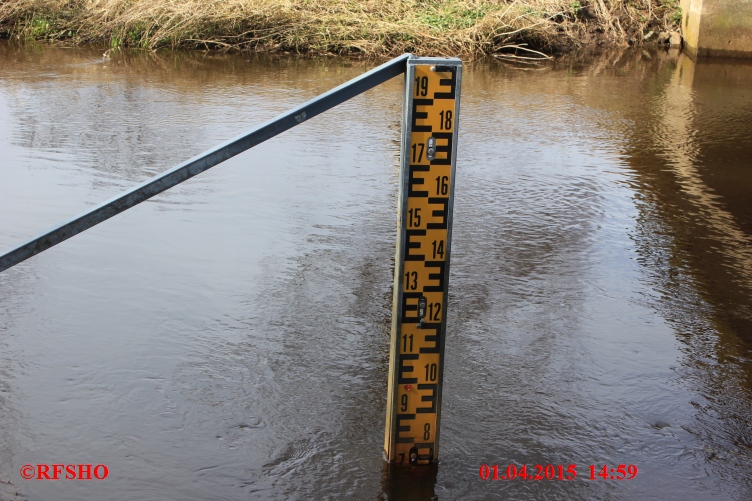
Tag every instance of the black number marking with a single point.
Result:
(418, 152)
(438, 248)
(442, 185)
(421, 86)
(446, 120)
(427, 432)
(431, 372)
(403, 403)
(414, 217)
(405, 339)
(411, 275)
(433, 311)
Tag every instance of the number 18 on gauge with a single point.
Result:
(416, 363)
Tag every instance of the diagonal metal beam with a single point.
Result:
(204, 161)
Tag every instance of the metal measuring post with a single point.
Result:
(428, 158)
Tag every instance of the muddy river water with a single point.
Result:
(229, 338)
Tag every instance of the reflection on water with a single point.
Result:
(695, 242)
(228, 340)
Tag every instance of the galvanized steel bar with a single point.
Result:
(204, 161)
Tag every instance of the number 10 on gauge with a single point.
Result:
(416, 362)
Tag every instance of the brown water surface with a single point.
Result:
(229, 339)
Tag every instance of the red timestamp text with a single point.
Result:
(557, 472)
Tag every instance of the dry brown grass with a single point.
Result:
(370, 27)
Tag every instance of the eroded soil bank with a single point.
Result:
(468, 28)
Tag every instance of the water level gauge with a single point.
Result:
(429, 150)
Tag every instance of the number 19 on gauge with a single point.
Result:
(428, 159)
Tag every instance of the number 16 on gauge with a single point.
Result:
(427, 169)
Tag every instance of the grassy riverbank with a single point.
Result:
(369, 27)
